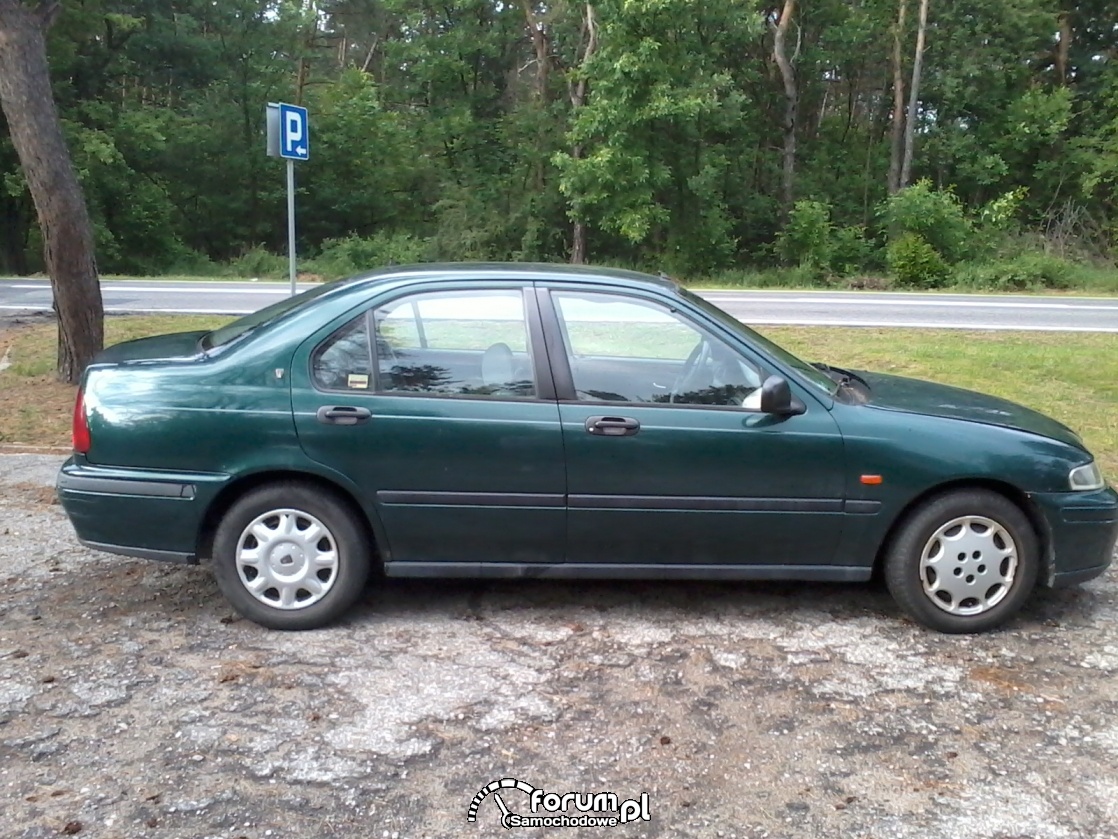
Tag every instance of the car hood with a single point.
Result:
(915, 396)
(179, 345)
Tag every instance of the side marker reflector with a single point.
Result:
(871, 480)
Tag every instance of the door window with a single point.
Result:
(460, 343)
(624, 349)
(343, 361)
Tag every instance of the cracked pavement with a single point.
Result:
(133, 703)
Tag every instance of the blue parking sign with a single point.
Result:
(294, 130)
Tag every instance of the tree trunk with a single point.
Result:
(896, 146)
(578, 93)
(541, 43)
(791, 101)
(1063, 48)
(913, 97)
(28, 103)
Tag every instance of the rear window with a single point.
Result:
(242, 326)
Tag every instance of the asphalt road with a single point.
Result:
(814, 308)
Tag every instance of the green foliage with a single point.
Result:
(807, 238)
(811, 241)
(257, 262)
(1027, 272)
(851, 252)
(1000, 214)
(796, 277)
(934, 217)
(914, 263)
(438, 132)
(354, 254)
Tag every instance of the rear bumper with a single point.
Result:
(1083, 527)
(137, 512)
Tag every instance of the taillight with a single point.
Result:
(80, 434)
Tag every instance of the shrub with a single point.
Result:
(850, 251)
(259, 262)
(935, 216)
(353, 254)
(806, 238)
(914, 263)
(1026, 272)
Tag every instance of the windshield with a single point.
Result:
(811, 373)
(242, 326)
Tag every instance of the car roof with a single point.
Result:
(536, 272)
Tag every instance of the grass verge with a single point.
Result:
(36, 408)
(1070, 376)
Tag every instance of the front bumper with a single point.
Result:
(137, 512)
(1082, 529)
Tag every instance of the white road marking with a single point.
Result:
(885, 324)
(277, 292)
(965, 304)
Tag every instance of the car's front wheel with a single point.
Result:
(965, 561)
(290, 556)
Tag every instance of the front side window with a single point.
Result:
(456, 343)
(624, 349)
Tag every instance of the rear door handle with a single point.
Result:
(613, 426)
(343, 415)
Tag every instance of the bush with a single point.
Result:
(353, 254)
(806, 238)
(1030, 271)
(935, 216)
(259, 262)
(850, 252)
(795, 277)
(914, 263)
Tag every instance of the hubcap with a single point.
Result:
(968, 566)
(287, 559)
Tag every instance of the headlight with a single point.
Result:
(1086, 477)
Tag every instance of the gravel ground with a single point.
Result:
(134, 704)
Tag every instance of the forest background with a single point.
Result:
(902, 143)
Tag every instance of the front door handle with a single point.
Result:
(613, 426)
(343, 415)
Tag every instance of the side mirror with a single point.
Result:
(776, 398)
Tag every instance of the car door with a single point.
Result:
(669, 460)
(437, 405)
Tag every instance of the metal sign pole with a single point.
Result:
(289, 133)
(291, 222)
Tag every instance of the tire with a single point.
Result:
(939, 570)
(291, 556)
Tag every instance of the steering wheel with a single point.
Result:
(699, 357)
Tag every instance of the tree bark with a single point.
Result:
(914, 97)
(1063, 48)
(896, 146)
(28, 103)
(541, 43)
(791, 102)
(578, 93)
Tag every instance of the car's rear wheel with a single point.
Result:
(290, 556)
(965, 561)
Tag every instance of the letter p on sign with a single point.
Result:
(294, 133)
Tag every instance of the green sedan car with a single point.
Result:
(551, 421)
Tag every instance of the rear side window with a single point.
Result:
(344, 360)
(457, 343)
